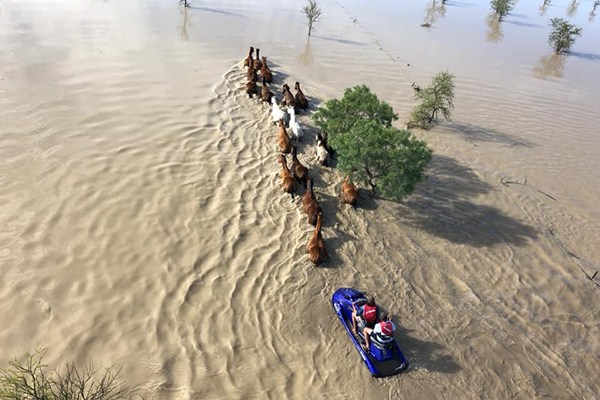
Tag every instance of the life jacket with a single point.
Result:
(370, 313)
(386, 328)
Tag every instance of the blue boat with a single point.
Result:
(384, 359)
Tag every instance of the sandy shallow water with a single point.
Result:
(143, 224)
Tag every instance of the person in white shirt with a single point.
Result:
(384, 330)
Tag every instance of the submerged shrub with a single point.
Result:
(502, 7)
(435, 99)
(359, 128)
(563, 35)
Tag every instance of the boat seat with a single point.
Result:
(375, 339)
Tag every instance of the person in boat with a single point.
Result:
(367, 311)
(383, 331)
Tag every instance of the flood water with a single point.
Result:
(142, 222)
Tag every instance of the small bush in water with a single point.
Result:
(502, 7)
(563, 35)
(435, 99)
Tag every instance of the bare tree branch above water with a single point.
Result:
(523, 182)
(593, 12)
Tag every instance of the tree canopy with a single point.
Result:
(563, 35)
(359, 128)
(313, 13)
(502, 7)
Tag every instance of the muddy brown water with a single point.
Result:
(143, 224)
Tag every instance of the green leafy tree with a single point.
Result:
(313, 13)
(359, 128)
(435, 99)
(563, 35)
(30, 379)
(502, 7)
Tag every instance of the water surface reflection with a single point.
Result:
(306, 57)
(572, 9)
(550, 66)
(432, 12)
(495, 34)
(184, 25)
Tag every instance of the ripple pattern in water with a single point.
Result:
(143, 222)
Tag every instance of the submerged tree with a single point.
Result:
(435, 98)
(572, 9)
(312, 12)
(432, 11)
(593, 12)
(563, 35)
(502, 7)
(31, 380)
(359, 128)
(544, 7)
